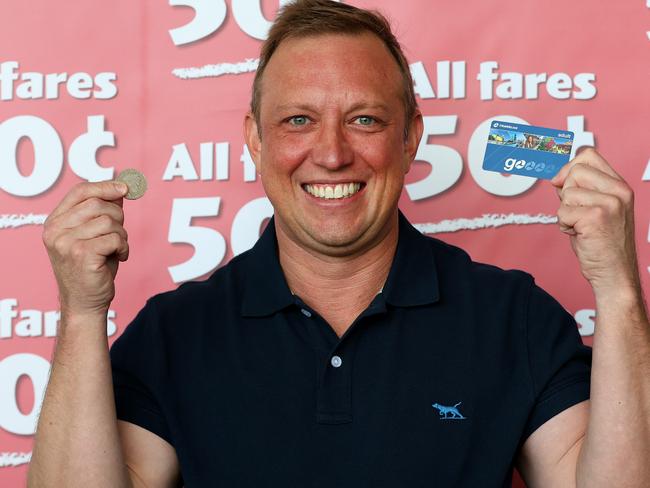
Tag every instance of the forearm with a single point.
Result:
(617, 445)
(77, 442)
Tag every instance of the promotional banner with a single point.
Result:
(88, 89)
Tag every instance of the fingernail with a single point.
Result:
(121, 187)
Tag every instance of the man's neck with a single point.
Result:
(338, 288)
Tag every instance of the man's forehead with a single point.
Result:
(353, 59)
(324, 45)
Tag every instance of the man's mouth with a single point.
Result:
(333, 192)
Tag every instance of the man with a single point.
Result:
(346, 349)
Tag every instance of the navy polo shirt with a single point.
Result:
(437, 383)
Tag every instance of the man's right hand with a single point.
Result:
(85, 240)
(79, 441)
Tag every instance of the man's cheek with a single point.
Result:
(380, 155)
(288, 157)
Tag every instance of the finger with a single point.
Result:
(98, 226)
(568, 216)
(560, 177)
(585, 219)
(57, 225)
(583, 197)
(107, 245)
(589, 157)
(592, 158)
(584, 176)
(77, 243)
(105, 190)
(86, 211)
(80, 215)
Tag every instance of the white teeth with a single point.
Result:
(333, 192)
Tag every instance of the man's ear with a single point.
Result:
(253, 140)
(413, 139)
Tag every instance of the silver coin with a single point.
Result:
(135, 181)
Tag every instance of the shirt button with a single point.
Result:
(306, 313)
(336, 361)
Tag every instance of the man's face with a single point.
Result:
(332, 154)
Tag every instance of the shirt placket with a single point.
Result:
(335, 363)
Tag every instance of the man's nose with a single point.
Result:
(332, 149)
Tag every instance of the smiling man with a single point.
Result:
(346, 349)
(332, 151)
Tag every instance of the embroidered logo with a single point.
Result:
(449, 413)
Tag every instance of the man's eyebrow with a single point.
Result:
(369, 105)
(294, 107)
(363, 105)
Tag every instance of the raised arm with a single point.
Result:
(78, 442)
(604, 442)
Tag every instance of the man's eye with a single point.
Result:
(298, 120)
(365, 120)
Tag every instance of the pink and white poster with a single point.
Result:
(90, 88)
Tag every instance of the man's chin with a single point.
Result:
(333, 238)
(338, 241)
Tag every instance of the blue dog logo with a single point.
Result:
(449, 413)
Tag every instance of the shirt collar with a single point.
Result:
(412, 279)
(265, 288)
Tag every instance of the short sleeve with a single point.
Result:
(138, 367)
(559, 363)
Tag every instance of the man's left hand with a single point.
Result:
(597, 212)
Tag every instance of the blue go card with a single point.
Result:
(526, 150)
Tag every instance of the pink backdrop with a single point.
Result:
(90, 88)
